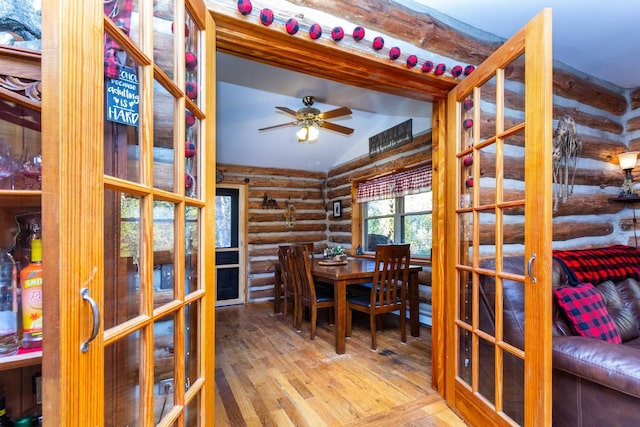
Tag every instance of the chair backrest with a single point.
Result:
(391, 275)
(302, 262)
(310, 247)
(285, 257)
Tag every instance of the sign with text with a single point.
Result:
(123, 98)
(391, 138)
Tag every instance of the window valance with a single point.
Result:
(395, 185)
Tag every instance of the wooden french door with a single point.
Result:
(128, 187)
(498, 204)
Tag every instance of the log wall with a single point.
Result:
(607, 119)
(313, 194)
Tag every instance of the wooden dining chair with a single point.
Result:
(388, 289)
(310, 296)
(290, 284)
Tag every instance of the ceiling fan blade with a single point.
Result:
(342, 111)
(335, 127)
(288, 111)
(279, 126)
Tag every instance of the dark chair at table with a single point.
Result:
(310, 296)
(388, 291)
(290, 284)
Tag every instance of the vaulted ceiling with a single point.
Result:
(587, 38)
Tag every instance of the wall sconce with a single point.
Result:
(308, 133)
(627, 162)
(290, 215)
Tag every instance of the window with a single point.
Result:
(396, 208)
(405, 219)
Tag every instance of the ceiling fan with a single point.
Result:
(310, 119)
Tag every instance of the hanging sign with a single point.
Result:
(123, 98)
(391, 138)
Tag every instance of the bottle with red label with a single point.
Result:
(31, 296)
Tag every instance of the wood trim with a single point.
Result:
(252, 40)
(438, 341)
(72, 43)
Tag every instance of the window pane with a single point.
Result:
(121, 257)
(381, 207)
(163, 250)
(163, 138)
(417, 231)
(123, 94)
(378, 231)
(191, 234)
(163, 363)
(122, 385)
(224, 211)
(421, 202)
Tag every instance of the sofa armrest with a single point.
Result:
(615, 366)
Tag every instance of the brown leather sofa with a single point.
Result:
(595, 383)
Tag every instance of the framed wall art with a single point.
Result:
(337, 209)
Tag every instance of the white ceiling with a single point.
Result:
(588, 37)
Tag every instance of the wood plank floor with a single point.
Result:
(267, 374)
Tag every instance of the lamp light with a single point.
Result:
(627, 161)
(308, 132)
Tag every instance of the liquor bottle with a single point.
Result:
(31, 296)
(4, 419)
(9, 344)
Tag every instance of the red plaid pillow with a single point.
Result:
(587, 313)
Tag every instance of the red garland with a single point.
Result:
(266, 17)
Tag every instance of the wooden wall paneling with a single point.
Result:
(635, 98)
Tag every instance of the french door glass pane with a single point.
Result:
(192, 343)
(163, 251)
(122, 382)
(191, 181)
(163, 363)
(191, 234)
(163, 138)
(192, 51)
(192, 417)
(164, 52)
(123, 118)
(121, 257)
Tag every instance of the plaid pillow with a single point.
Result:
(587, 314)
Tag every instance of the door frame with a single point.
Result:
(243, 205)
(253, 41)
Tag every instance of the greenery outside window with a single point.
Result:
(405, 219)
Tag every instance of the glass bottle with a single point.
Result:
(29, 228)
(31, 297)
(9, 344)
(4, 419)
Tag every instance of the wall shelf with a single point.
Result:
(20, 360)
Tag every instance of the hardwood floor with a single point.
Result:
(267, 374)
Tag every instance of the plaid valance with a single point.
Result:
(395, 185)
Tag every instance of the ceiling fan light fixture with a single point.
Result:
(302, 134)
(313, 133)
(308, 133)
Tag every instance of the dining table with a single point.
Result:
(353, 271)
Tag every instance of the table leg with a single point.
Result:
(340, 308)
(277, 289)
(414, 304)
